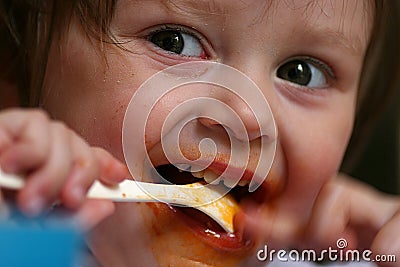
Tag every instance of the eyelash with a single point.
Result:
(313, 62)
(324, 66)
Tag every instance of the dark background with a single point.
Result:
(379, 157)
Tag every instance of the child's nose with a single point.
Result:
(244, 113)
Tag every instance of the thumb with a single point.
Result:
(266, 224)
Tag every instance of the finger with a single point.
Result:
(4, 210)
(112, 171)
(5, 139)
(347, 209)
(24, 140)
(329, 217)
(43, 185)
(387, 241)
(90, 164)
(92, 212)
(369, 211)
(370, 207)
(85, 170)
(278, 229)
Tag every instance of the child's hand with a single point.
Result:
(344, 208)
(57, 163)
(366, 218)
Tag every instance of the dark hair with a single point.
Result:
(379, 81)
(27, 28)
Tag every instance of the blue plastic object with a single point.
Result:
(30, 244)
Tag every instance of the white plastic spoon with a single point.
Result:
(208, 199)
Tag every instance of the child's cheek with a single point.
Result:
(313, 141)
(309, 165)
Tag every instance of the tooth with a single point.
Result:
(199, 174)
(211, 177)
(229, 183)
(243, 183)
(183, 167)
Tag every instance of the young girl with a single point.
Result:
(81, 62)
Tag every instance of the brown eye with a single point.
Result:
(169, 40)
(178, 42)
(302, 73)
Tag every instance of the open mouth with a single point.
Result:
(177, 176)
(204, 226)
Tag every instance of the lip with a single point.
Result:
(210, 232)
(180, 238)
(230, 172)
(220, 167)
(206, 230)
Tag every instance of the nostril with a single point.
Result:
(234, 128)
(243, 124)
(209, 123)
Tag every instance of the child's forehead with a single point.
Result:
(347, 23)
(264, 9)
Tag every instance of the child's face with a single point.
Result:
(306, 57)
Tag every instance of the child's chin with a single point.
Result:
(178, 240)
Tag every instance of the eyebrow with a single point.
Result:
(200, 7)
(211, 8)
(352, 44)
(331, 36)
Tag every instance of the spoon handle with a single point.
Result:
(194, 195)
(132, 191)
(126, 191)
(11, 181)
